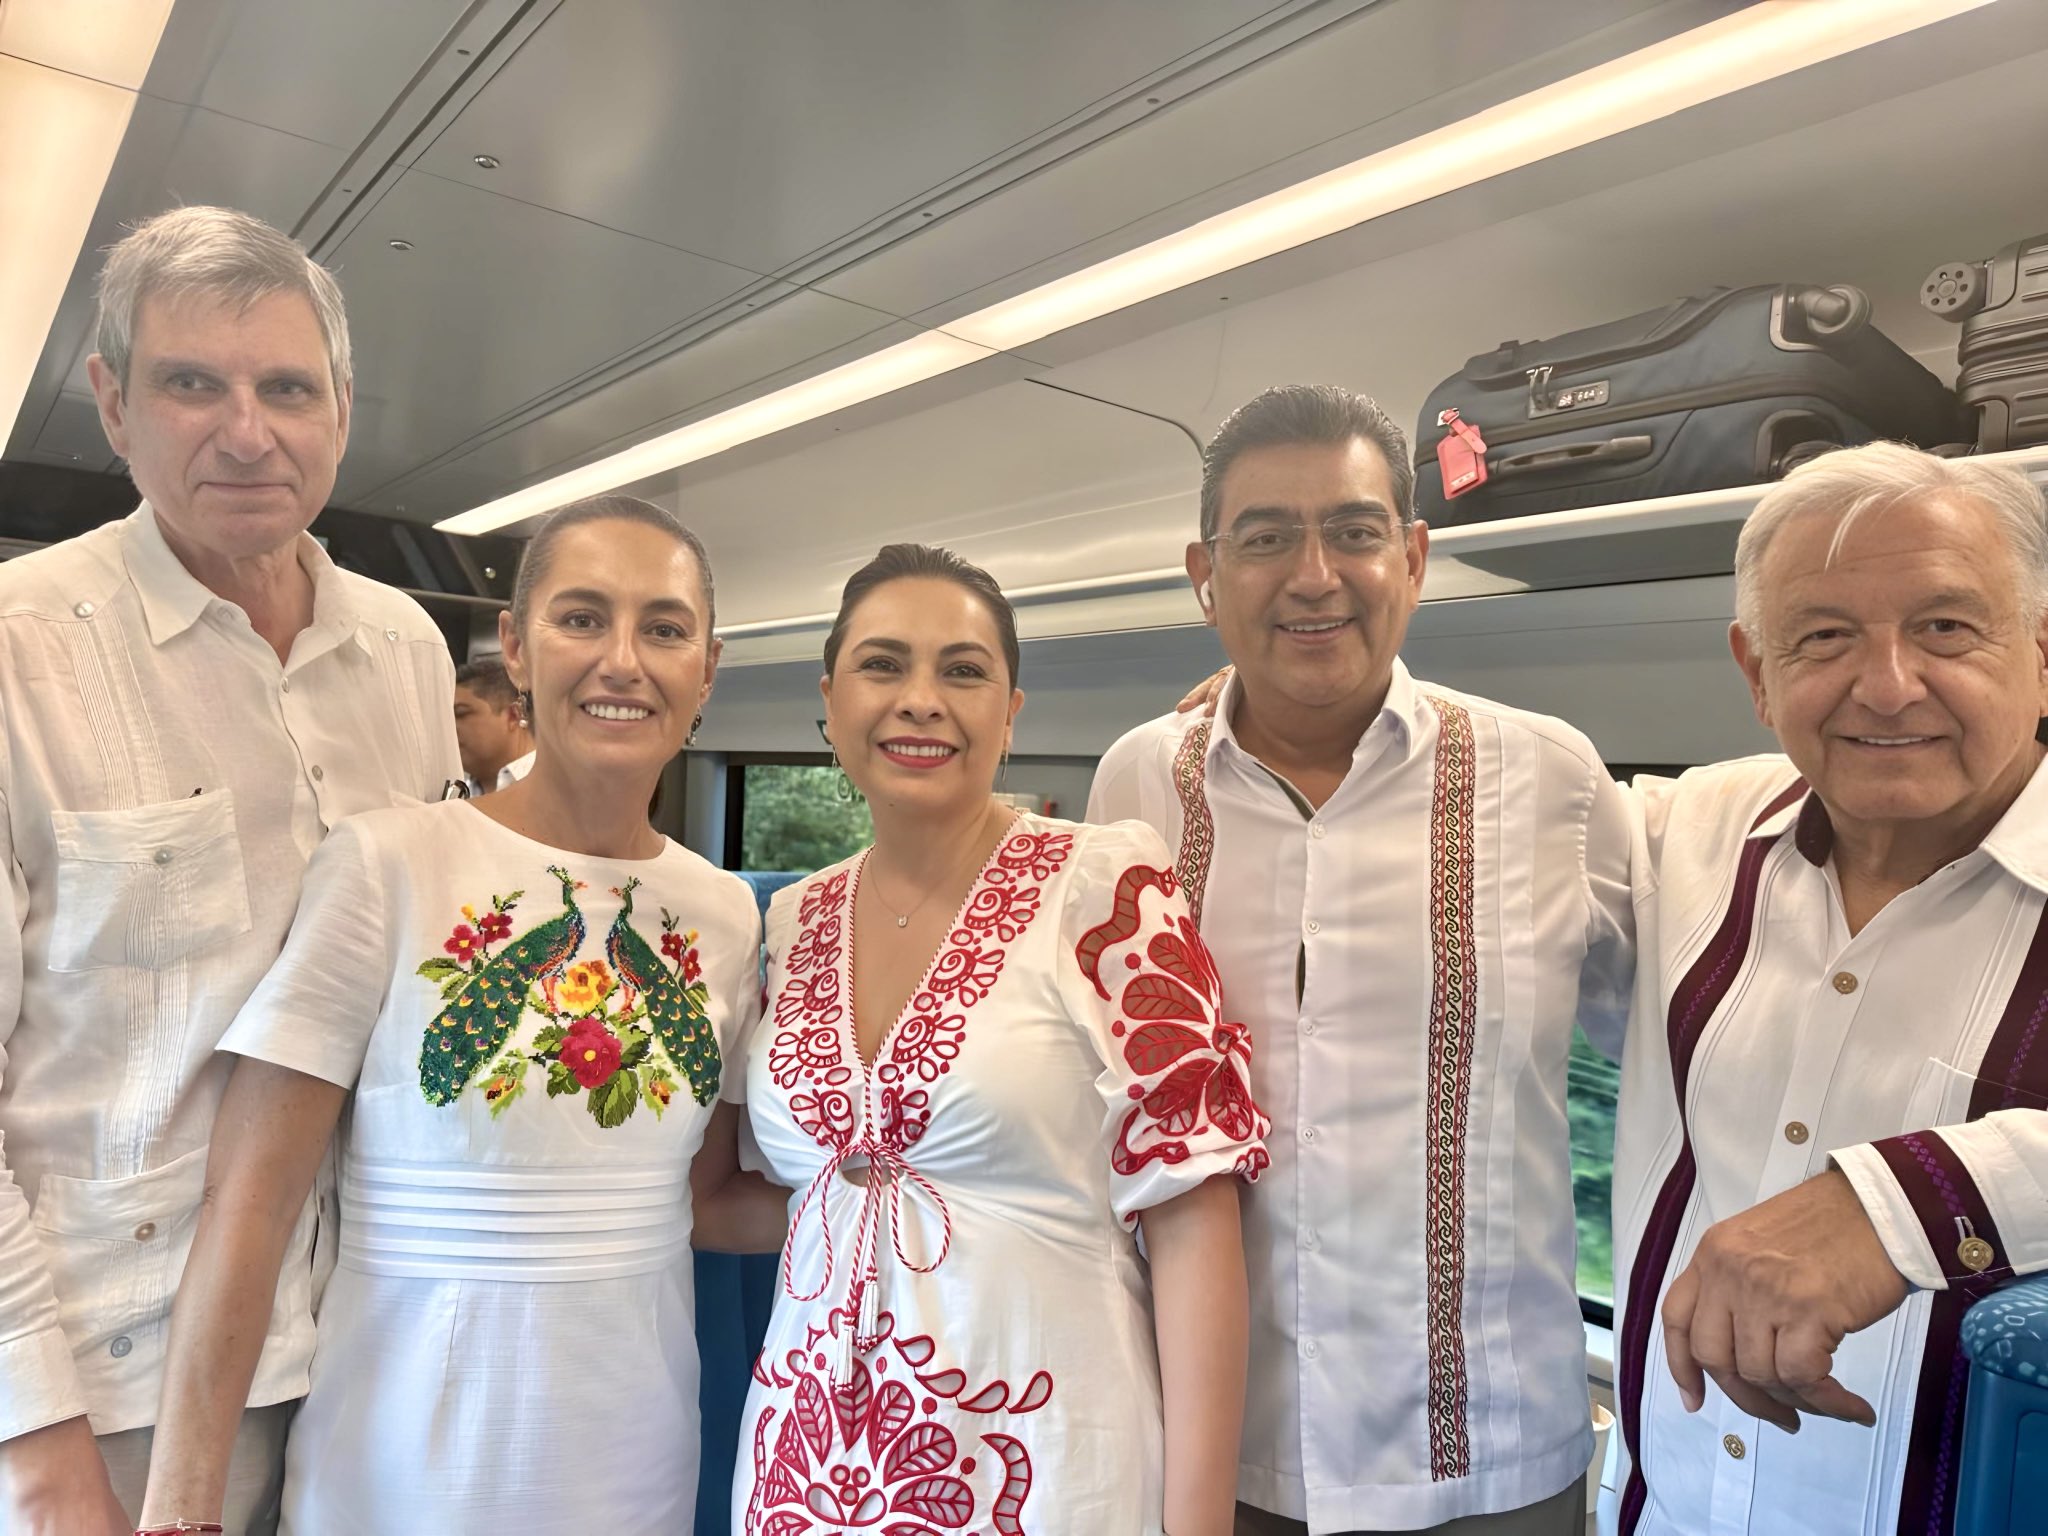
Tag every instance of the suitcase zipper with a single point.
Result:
(1760, 388)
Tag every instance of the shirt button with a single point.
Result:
(1308, 1026)
(1313, 926)
(286, 685)
(1308, 1133)
(145, 1232)
(1733, 1445)
(318, 773)
(163, 856)
(1310, 1349)
(390, 634)
(1796, 1133)
(1844, 983)
(83, 610)
(1311, 1239)
(1317, 829)
(120, 1347)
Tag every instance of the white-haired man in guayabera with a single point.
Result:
(189, 699)
(1833, 1130)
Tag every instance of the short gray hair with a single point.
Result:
(1851, 482)
(1288, 414)
(223, 254)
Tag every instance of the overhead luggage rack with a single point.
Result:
(1669, 538)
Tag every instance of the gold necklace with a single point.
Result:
(903, 918)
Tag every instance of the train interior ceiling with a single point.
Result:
(564, 226)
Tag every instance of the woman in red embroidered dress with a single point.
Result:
(1027, 1066)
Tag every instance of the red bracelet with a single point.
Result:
(184, 1528)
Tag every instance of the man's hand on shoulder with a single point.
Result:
(1205, 695)
(1770, 1295)
(54, 1483)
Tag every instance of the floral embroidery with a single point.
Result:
(811, 1050)
(810, 1059)
(1175, 1039)
(836, 1458)
(602, 1020)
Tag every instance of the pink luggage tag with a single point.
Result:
(1460, 455)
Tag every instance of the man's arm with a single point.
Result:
(1607, 975)
(52, 1480)
(1770, 1294)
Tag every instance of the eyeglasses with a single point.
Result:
(1345, 535)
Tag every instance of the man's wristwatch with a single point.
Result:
(183, 1528)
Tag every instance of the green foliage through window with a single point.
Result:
(793, 818)
(1595, 1083)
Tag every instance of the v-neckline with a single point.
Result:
(924, 977)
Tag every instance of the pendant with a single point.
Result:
(904, 921)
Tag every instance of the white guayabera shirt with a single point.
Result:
(163, 781)
(1767, 1042)
(1410, 959)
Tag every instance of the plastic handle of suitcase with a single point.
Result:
(1609, 450)
(1832, 314)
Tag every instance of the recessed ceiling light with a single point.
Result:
(399, 245)
(1757, 43)
(484, 162)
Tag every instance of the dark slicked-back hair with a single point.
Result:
(487, 678)
(540, 549)
(1304, 413)
(894, 562)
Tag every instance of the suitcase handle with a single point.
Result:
(1610, 450)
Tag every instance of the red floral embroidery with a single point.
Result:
(591, 1052)
(832, 1458)
(1192, 1066)
(464, 942)
(811, 1047)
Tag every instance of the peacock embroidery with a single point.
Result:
(618, 1035)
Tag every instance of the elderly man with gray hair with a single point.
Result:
(189, 699)
(1834, 1112)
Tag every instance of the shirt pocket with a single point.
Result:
(149, 886)
(114, 1247)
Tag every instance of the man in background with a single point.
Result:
(490, 726)
(189, 699)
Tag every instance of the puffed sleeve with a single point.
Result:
(316, 1009)
(1176, 1073)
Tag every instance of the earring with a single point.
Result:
(844, 791)
(1003, 772)
(526, 708)
(696, 725)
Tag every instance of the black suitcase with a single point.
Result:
(2002, 357)
(1731, 388)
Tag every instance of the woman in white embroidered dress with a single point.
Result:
(530, 996)
(1024, 1066)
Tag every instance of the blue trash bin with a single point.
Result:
(2003, 1489)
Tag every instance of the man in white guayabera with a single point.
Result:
(1833, 1132)
(1412, 895)
(189, 699)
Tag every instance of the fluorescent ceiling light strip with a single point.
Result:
(68, 78)
(60, 134)
(1745, 49)
(1756, 44)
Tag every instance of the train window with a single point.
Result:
(1594, 1083)
(789, 816)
